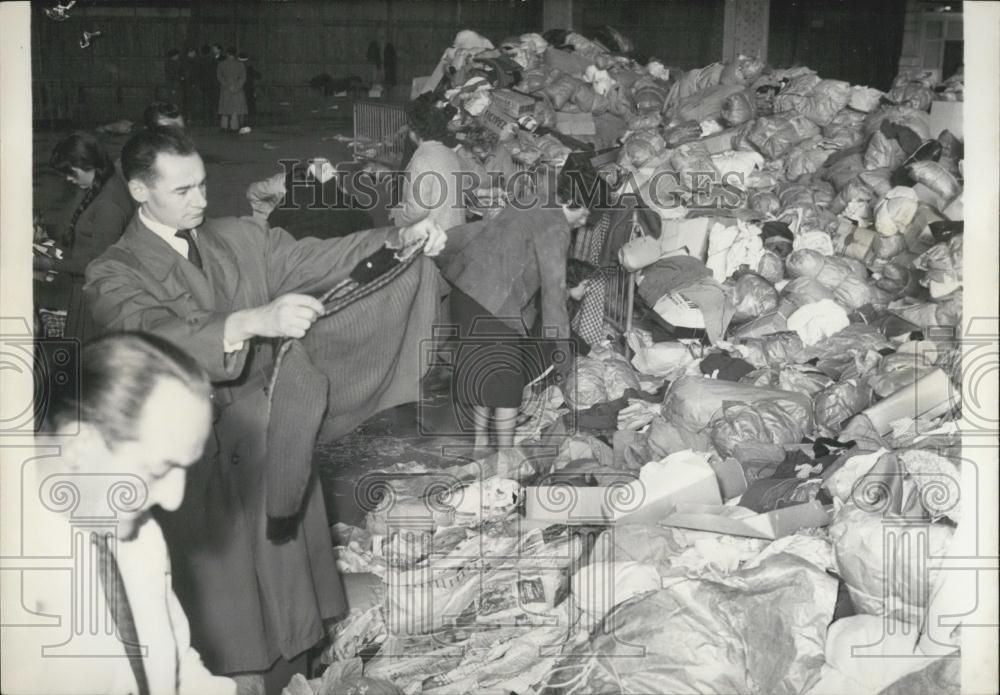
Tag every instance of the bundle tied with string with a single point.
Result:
(292, 432)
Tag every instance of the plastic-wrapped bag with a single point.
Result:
(682, 133)
(771, 266)
(649, 94)
(944, 312)
(584, 386)
(776, 349)
(834, 405)
(589, 101)
(691, 158)
(705, 104)
(883, 152)
(794, 95)
(645, 121)
(562, 89)
(817, 241)
(801, 291)
(738, 108)
(710, 635)
(741, 71)
(878, 180)
(897, 371)
(619, 377)
(896, 210)
(897, 585)
(773, 136)
(801, 378)
(912, 94)
(753, 296)
(641, 146)
(765, 202)
(854, 201)
(692, 401)
(843, 171)
(694, 81)
(915, 120)
(804, 195)
(936, 177)
(864, 99)
(533, 81)
(805, 158)
(544, 113)
(943, 264)
(755, 434)
(855, 339)
(825, 100)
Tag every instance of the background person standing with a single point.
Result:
(232, 76)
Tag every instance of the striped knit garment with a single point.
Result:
(366, 357)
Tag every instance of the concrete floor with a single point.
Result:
(232, 162)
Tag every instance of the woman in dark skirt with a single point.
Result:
(506, 263)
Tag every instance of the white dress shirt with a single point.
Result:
(77, 609)
(169, 235)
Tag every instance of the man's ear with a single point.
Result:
(139, 191)
(85, 444)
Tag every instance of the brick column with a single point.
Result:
(745, 28)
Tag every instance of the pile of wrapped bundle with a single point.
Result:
(796, 348)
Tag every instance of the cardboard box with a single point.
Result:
(770, 526)
(512, 103)
(496, 120)
(681, 477)
(928, 397)
(947, 115)
(575, 123)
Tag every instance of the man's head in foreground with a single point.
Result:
(143, 412)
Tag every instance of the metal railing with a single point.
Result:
(379, 132)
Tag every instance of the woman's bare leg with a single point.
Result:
(504, 421)
(481, 423)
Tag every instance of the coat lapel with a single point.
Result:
(166, 266)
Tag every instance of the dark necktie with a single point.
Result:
(121, 611)
(193, 255)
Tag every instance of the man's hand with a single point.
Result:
(426, 231)
(288, 316)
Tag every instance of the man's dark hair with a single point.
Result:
(157, 110)
(139, 153)
(83, 151)
(173, 52)
(425, 118)
(119, 372)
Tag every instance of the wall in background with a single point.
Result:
(682, 33)
(854, 40)
(290, 43)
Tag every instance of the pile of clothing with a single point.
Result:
(795, 347)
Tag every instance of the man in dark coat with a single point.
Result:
(221, 289)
